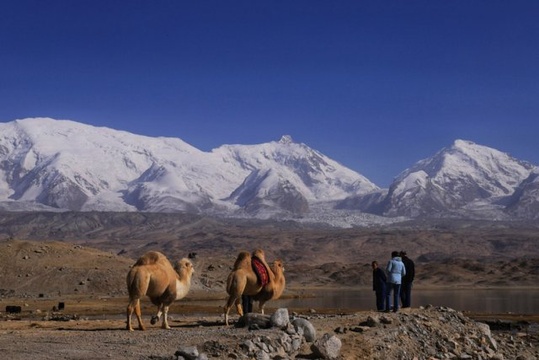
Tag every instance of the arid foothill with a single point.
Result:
(81, 260)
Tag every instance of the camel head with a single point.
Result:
(278, 266)
(184, 268)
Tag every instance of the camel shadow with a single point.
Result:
(94, 329)
(199, 323)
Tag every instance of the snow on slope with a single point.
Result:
(525, 201)
(61, 164)
(314, 175)
(454, 177)
(103, 163)
(65, 164)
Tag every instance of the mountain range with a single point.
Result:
(62, 165)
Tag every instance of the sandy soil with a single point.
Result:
(95, 329)
(39, 275)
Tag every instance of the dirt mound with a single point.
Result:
(56, 268)
(30, 268)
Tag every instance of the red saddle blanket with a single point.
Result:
(260, 270)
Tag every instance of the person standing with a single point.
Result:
(247, 304)
(407, 280)
(379, 280)
(395, 271)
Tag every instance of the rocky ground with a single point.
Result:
(39, 276)
(95, 329)
(88, 274)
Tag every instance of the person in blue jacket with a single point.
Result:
(395, 271)
(379, 285)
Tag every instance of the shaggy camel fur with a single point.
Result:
(244, 281)
(153, 275)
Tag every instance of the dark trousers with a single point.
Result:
(406, 294)
(246, 304)
(395, 288)
(380, 299)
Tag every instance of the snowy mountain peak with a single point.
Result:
(459, 175)
(286, 139)
(68, 165)
(65, 165)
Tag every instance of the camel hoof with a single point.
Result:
(154, 320)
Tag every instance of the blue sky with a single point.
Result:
(375, 85)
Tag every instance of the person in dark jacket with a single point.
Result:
(379, 285)
(407, 280)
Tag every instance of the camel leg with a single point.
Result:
(261, 304)
(165, 325)
(157, 316)
(239, 307)
(231, 300)
(134, 305)
(130, 309)
(138, 312)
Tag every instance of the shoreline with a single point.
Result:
(198, 303)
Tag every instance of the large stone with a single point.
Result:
(255, 321)
(280, 318)
(327, 347)
(305, 328)
(187, 352)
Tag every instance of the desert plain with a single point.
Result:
(81, 260)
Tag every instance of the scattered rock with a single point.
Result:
(280, 318)
(305, 328)
(327, 347)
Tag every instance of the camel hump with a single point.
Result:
(151, 258)
(243, 260)
(259, 253)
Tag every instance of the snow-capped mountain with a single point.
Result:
(455, 181)
(59, 165)
(524, 203)
(68, 165)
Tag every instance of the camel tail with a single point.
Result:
(230, 283)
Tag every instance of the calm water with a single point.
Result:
(525, 301)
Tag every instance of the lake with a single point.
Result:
(524, 301)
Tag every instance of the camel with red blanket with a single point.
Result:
(252, 276)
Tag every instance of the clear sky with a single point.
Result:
(375, 85)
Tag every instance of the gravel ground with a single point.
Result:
(421, 333)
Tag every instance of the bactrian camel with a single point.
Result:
(244, 281)
(154, 276)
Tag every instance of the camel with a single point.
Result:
(153, 275)
(275, 290)
(243, 281)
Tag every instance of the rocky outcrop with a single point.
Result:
(288, 338)
(423, 333)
